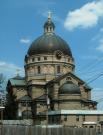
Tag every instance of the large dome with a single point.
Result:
(49, 43)
(69, 88)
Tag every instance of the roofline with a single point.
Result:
(74, 112)
(89, 101)
(62, 76)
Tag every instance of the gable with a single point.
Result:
(65, 77)
(17, 82)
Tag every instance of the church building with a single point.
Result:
(50, 92)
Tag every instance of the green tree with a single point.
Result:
(2, 80)
(11, 107)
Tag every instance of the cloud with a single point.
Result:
(25, 40)
(85, 17)
(10, 69)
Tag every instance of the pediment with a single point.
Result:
(66, 77)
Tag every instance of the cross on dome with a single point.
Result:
(49, 15)
(49, 25)
(17, 72)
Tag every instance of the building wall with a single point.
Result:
(79, 121)
(69, 101)
(19, 92)
(23, 106)
(41, 107)
(37, 92)
(48, 65)
(70, 105)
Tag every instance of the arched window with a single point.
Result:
(38, 58)
(47, 29)
(58, 69)
(50, 28)
(32, 59)
(39, 70)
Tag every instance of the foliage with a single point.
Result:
(11, 107)
(2, 80)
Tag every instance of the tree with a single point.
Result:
(11, 107)
(2, 80)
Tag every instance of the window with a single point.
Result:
(65, 117)
(68, 59)
(68, 78)
(38, 58)
(26, 104)
(29, 104)
(50, 28)
(98, 129)
(91, 127)
(98, 118)
(23, 104)
(32, 59)
(39, 70)
(47, 28)
(58, 69)
(53, 119)
(77, 118)
(45, 58)
(83, 117)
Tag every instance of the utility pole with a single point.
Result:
(1, 109)
(48, 102)
(1, 113)
(47, 106)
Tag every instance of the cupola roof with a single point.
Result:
(69, 88)
(49, 42)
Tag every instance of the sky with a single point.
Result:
(79, 23)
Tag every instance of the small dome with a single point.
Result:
(69, 88)
(49, 23)
(49, 43)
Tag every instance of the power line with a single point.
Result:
(90, 65)
(95, 78)
(100, 100)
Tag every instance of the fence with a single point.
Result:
(43, 130)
